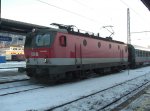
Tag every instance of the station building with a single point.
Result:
(13, 33)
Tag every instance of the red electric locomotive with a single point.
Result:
(60, 53)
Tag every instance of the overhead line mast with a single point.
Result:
(128, 27)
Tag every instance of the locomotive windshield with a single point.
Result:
(39, 39)
(42, 40)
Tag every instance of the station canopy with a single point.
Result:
(146, 3)
(12, 26)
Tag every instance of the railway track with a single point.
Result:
(101, 100)
(10, 79)
(18, 87)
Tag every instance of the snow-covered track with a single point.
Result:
(104, 102)
(10, 79)
(124, 97)
(17, 87)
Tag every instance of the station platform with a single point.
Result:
(11, 68)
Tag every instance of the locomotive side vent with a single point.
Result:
(63, 41)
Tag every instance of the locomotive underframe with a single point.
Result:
(57, 72)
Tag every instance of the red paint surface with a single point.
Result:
(75, 48)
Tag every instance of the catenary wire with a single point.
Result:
(66, 10)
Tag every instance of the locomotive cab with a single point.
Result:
(38, 49)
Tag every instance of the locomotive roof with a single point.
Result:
(95, 37)
(69, 30)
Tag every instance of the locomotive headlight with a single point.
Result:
(33, 30)
(46, 60)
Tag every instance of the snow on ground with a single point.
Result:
(98, 101)
(58, 94)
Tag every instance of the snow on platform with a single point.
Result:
(9, 72)
(13, 78)
(12, 64)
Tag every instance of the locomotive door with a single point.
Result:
(121, 56)
(78, 54)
